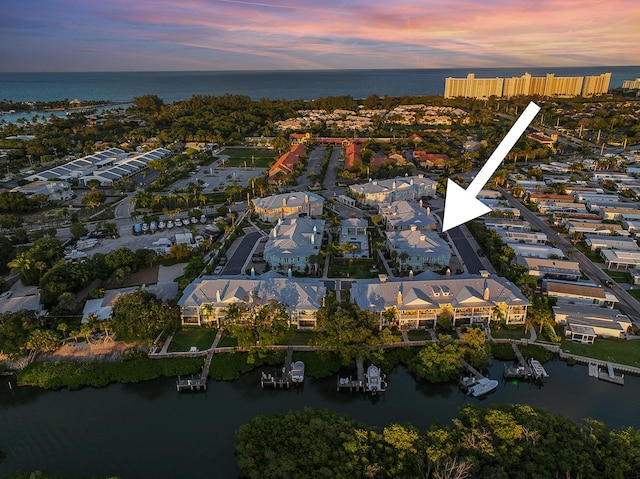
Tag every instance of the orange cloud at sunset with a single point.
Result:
(238, 34)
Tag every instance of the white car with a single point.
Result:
(170, 224)
(218, 270)
(161, 225)
(178, 222)
(194, 220)
(203, 219)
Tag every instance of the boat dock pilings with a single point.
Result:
(196, 383)
(268, 379)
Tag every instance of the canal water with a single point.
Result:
(149, 430)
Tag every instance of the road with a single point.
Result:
(627, 302)
(242, 252)
(468, 256)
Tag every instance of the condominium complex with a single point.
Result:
(526, 85)
(631, 84)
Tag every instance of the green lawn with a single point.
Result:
(227, 340)
(201, 338)
(351, 268)
(262, 157)
(419, 335)
(635, 293)
(509, 332)
(300, 338)
(616, 350)
(619, 276)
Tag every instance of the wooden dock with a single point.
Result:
(524, 369)
(196, 383)
(465, 382)
(609, 375)
(279, 380)
(357, 384)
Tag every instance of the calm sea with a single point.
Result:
(290, 85)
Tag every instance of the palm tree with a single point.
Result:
(20, 263)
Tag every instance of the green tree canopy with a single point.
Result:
(141, 316)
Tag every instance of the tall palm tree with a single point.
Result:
(20, 263)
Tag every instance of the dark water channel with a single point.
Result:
(149, 430)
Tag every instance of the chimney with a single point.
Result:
(422, 238)
(420, 203)
(487, 294)
(251, 296)
(448, 273)
(274, 232)
(428, 211)
(253, 272)
(410, 275)
(289, 273)
(218, 300)
(413, 228)
(284, 201)
(313, 238)
(306, 198)
(399, 298)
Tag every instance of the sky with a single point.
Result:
(152, 35)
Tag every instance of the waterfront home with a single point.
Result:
(206, 300)
(292, 242)
(578, 293)
(419, 302)
(419, 250)
(585, 323)
(551, 268)
(403, 215)
(101, 308)
(400, 188)
(354, 231)
(288, 205)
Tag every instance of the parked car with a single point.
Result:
(170, 224)
(178, 222)
(218, 270)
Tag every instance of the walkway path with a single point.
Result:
(214, 345)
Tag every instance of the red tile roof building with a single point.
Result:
(352, 157)
(282, 169)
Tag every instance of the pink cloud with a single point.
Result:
(405, 33)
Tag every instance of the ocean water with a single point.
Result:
(303, 85)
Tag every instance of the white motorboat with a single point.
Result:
(483, 386)
(297, 372)
(538, 369)
(373, 382)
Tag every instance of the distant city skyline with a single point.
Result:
(118, 35)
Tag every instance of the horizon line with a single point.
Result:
(322, 69)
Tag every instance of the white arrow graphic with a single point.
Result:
(462, 205)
